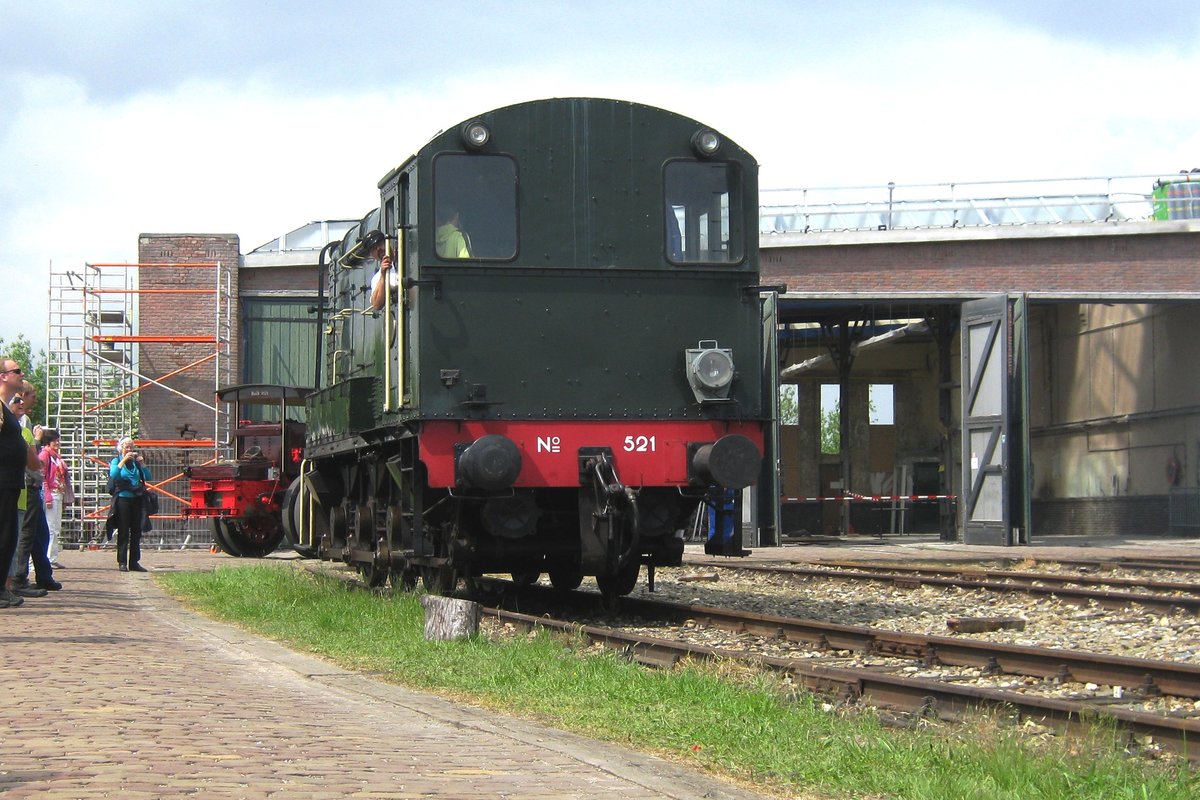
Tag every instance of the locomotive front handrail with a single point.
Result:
(400, 320)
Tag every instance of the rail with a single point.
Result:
(1079, 596)
(980, 204)
(929, 696)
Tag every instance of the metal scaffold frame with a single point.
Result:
(93, 380)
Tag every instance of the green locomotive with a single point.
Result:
(570, 363)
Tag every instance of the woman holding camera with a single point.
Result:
(129, 475)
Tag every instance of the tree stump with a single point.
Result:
(449, 618)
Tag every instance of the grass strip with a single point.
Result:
(735, 725)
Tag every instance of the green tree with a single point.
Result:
(831, 427)
(831, 431)
(789, 406)
(20, 350)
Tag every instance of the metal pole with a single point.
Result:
(845, 359)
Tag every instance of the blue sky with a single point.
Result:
(118, 118)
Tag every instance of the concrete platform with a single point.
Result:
(111, 689)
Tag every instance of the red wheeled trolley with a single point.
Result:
(243, 497)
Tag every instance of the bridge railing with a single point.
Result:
(980, 204)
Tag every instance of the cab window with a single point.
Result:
(702, 215)
(475, 207)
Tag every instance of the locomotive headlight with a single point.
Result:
(706, 143)
(475, 134)
(709, 371)
(713, 368)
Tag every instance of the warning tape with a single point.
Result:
(876, 498)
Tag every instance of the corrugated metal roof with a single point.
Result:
(312, 236)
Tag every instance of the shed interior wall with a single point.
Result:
(1113, 399)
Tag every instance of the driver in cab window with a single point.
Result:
(450, 241)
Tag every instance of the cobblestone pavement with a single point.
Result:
(112, 689)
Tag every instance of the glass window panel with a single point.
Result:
(882, 404)
(702, 215)
(989, 398)
(475, 207)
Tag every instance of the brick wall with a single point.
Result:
(179, 314)
(1101, 516)
(1142, 262)
(298, 278)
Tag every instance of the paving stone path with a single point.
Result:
(111, 689)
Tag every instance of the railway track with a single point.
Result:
(1020, 576)
(882, 687)
(914, 577)
(1148, 677)
(1168, 563)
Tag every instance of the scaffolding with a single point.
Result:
(94, 379)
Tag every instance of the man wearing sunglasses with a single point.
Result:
(15, 456)
(33, 533)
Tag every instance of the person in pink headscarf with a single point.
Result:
(56, 489)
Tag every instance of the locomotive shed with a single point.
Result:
(1093, 414)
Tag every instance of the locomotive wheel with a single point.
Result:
(218, 536)
(523, 579)
(439, 580)
(566, 579)
(403, 579)
(255, 534)
(291, 521)
(372, 574)
(227, 536)
(221, 536)
(618, 584)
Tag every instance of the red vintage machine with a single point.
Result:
(242, 497)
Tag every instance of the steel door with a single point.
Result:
(985, 333)
(1020, 473)
(768, 529)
